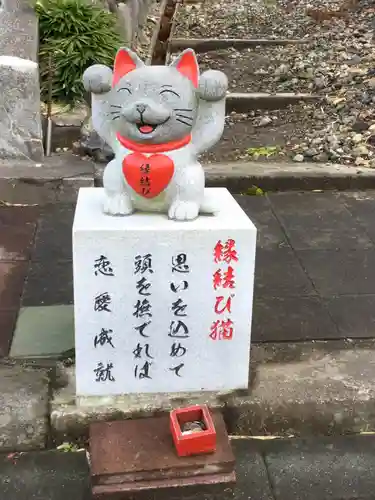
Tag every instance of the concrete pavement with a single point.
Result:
(293, 469)
(314, 272)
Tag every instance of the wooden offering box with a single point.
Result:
(193, 443)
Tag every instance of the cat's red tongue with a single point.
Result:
(146, 129)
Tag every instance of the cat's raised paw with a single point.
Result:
(118, 204)
(183, 210)
(98, 79)
(213, 85)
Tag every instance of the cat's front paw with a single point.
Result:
(183, 210)
(98, 79)
(213, 85)
(117, 204)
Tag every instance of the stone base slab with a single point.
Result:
(136, 459)
(304, 389)
(179, 489)
(298, 389)
(238, 176)
(202, 45)
(57, 179)
(23, 408)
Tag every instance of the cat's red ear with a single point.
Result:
(125, 61)
(187, 65)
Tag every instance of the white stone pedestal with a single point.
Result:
(160, 305)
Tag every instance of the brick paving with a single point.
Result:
(315, 269)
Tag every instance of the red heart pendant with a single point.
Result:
(148, 176)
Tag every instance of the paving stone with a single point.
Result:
(318, 221)
(353, 314)
(362, 206)
(53, 239)
(278, 273)
(359, 203)
(12, 277)
(7, 324)
(47, 475)
(280, 319)
(18, 216)
(61, 212)
(16, 242)
(327, 469)
(48, 283)
(252, 477)
(258, 208)
(23, 408)
(53, 475)
(340, 272)
(43, 332)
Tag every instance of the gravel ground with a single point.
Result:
(338, 62)
(242, 132)
(249, 19)
(305, 132)
(316, 66)
(276, 135)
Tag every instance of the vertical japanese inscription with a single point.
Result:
(224, 284)
(142, 311)
(145, 180)
(103, 305)
(178, 328)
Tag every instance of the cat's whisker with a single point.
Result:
(115, 106)
(182, 109)
(114, 112)
(182, 121)
(183, 116)
(116, 117)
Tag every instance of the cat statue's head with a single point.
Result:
(154, 104)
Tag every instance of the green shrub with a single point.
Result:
(74, 34)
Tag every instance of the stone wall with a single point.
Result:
(20, 122)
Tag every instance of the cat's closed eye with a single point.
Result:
(170, 91)
(124, 88)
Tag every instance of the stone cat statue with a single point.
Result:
(157, 120)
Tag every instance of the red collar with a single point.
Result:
(153, 148)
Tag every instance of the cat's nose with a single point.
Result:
(141, 108)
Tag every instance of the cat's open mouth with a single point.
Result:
(146, 128)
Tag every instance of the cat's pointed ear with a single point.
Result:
(126, 61)
(187, 64)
